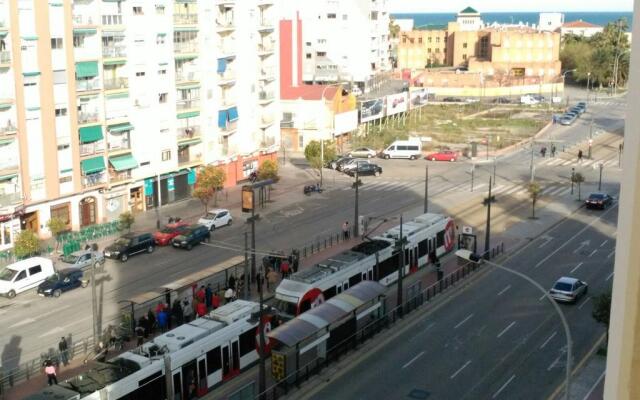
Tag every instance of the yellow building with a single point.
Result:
(424, 47)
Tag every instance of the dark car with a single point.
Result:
(163, 237)
(342, 162)
(130, 244)
(598, 200)
(501, 100)
(61, 281)
(191, 237)
(452, 100)
(365, 169)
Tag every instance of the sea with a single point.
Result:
(597, 18)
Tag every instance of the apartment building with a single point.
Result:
(344, 40)
(108, 106)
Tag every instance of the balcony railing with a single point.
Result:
(230, 127)
(115, 177)
(266, 96)
(265, 24)
(266, 48)
(94, 179)
(5, 57)
(187, 104)
(80, 19)
(185, 47)
(187, 76)
(88, 149)
(7, 199)
(228, 75)
(116, 83)
(114, 51)
(267, 73)
(228, 101)
(188, 159)
(225, 23)
(119, 144)
(87, 84)
(9, 127)
(112, 19)
(189, 132)
(88, 117)
(185, 19)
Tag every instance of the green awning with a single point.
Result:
(8, 176)
(185, 29)
(187, 87)
(5, 106)
(189, 142)
(115, 62)
(3, 33)
(84, 31)
(32, 73)
(161, 34)
(120, 127)
(90, 134)
(121, 163)
(29, 38)
(121, 95)
(4, 142)
(86, 69)
(92, 165)
(189, 114)
(186, 56)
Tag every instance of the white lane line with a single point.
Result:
(558, 191)
(463, 321)
(553, 364)
(504, 290)
(594, 386)
(603, 243)
(412, 360)
(576, 267)
(506, 329)
(548, 340)
(593, 252)
(542, 297)
(23, 322)
(51, 332)
(609, 277)
(584, 302)
(547, 190)
(460, 370)
(496, 394)
(611, 254)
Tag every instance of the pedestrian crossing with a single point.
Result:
(574, 162)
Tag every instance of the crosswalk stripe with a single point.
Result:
(513, 189)
(499, 189)
(558, 190)
(547, 190)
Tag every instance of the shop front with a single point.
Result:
(174, 187)
(115, 203)
(9, 229)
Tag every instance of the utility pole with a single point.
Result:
(94, 300)
(262, 371)
(321, 159)
(400, 270)
(247, 281)
(601, 165)
(355, 219)
(426, 190)
(253, 232)
(495, 160)
(573, 174)
(487, 234)
(487, 138)
(531, 164)
(473, 168)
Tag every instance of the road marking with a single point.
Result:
(594, 385)
(460, 370)
(576, 268)
(611, 254)
(51, 332)
(584, 302)
(547, 190)
(609, 277)
(504, 290)
(548, 340)
(496, 394)
(23, 322)
(506, 329)
(412, 360)
(583, 244)
(463, 321)
(603, 243)
(553, 364)
(593, 252)
(542, 297)
(426, 329)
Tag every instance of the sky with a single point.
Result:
(509, 5)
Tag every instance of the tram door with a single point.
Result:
(177, 387)
(202, 377)
(235, 348)
(189, 380)
(230, 360)
(226, 363)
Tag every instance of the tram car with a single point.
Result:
(373, 260)
(201, 355)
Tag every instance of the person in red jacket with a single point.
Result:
(201, 309)
(215, 300)
(200, 294)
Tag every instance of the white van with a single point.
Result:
(411, 149)
(24, 275)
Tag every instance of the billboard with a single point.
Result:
(371, 109)
(345, 122)
(419, 97)
(397, 103)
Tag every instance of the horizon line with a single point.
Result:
(507, 12)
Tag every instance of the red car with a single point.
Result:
(163, 237)
(444, 155)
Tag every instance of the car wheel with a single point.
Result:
(124, 258)
(412, 158)
(84, 284)
(230, 222)
(213, 228)
(150, 249)
(11, 294)
(386, 157)
(433, 158)
(57, 293)
(189, 246)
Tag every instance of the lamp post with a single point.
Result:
(573, 174)
(600, 165)
(564, 75)
(400, 270)
(355, 217)
(426, 190)
(588, 80)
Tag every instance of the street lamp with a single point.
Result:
(615, 70)
(600, 165)
(588, 80)
(564, 75)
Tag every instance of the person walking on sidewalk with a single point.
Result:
(579, 155)
(201, 309)
(64, 351)
(553, 150)
(345, 230)
(228, 295)
(139, 335)
(284, 268)
(177, 313)
(50, 371)
(215, 300)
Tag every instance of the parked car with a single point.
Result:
(191, 237)
(568, 119)
(341, 162)
(568, 290)
(24, 275)
(82, 259)
(471, 100)
(529, 99)
(582, 104)
(444, 155)
(353, 164)
(578, 110)
(501, 100)
(411, 149)
(452, 100)
(130, 244)
(366, 169)
(598, 200)
(62, 281)
(163, 237)
(216, 218)
(363, 152)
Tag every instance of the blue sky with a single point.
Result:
(509, 5)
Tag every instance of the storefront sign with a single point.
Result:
(171, 186)
(191, 178)
(148, 187)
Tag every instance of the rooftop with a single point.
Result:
(469, 10)
(580, 24)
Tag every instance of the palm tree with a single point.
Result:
(534, 191)
(578, 179)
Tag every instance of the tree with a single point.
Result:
(26, 244)
(268, 170)
(209, 181)
(602, 309)
(394, 28)
(578, 179)
(534, 192)
(313, 154)
(57, 226)
(126, 221)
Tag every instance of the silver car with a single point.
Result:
(81, 259)
(568, 290)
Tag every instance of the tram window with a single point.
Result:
(440, 239)
(370, 275)
(364, 276)
(213, 360)
(177, 385)
(345, 286)
(339, 289)
(406, 256)
(423, 248)
(354, 280)
(329, 293)
(388, 266)
(248, 342)
(305, 306)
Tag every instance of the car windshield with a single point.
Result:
(180, 237)
(563, 286)
(69, 259)
(123, 242)
(596, 196)
(8, 274)
(54, 278)
(210, 216)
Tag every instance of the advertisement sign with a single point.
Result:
(345, 122)
(148, 187)
(419, 97)
(171, 186)
(371, 109)
(397, 103)
(247, 199)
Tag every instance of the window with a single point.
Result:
(247, 342)
(145, 163)
(162, 97)
(65, 179)
(464, 56)
(213, 360)
(345, 17)
(440, 239)
(56, 43)
(78, 41)
(59, 77)
(321, 53)
(160, 39)
(21, 275)
(429, 39)
(308, 56)
(140, 73)
(464, 45)
(331, 16)
(63, 146)
(437, 50)
(137, 11)
(166, 155)
(159, 9)
(420, 40)
(411, 40)
(437, 39)
(429, 50)
(162, 72)
(36, 269)
(404, 40)
(61, 112)
(308, 43)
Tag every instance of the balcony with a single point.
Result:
(184, 159)
(118, 144)
(228, 3)
(265, 97)
(5, 57)
(81, 19)
(266, 121)
(227, 78)
(114, 51)
(9, 128)
(227, 102)
(88, 149)
(8, 199)
(87, 84)
(231, 127)
(182, 76)
(116, 83)
(92, 180)
(267, 74)
(118, 177)
(187, 104)
(225, 24)
(266, 49)
(265, 3)
(185, 19)
(112, 19)
(226, 51)
(185, 47)
(189, 132)
(265, 24)
(88, 117)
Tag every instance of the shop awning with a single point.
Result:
(30, 38)
(5, 106)
(222, 118)
(86, 69)
(189, 87)
(233, 114)
(121, 163)
(189, 114)
(121, 95)
(222, 65)
(84, 31)
(3, 33)
(90, 134)
(185, 29)
(186, 56)
(120, 128)
(92, 165)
